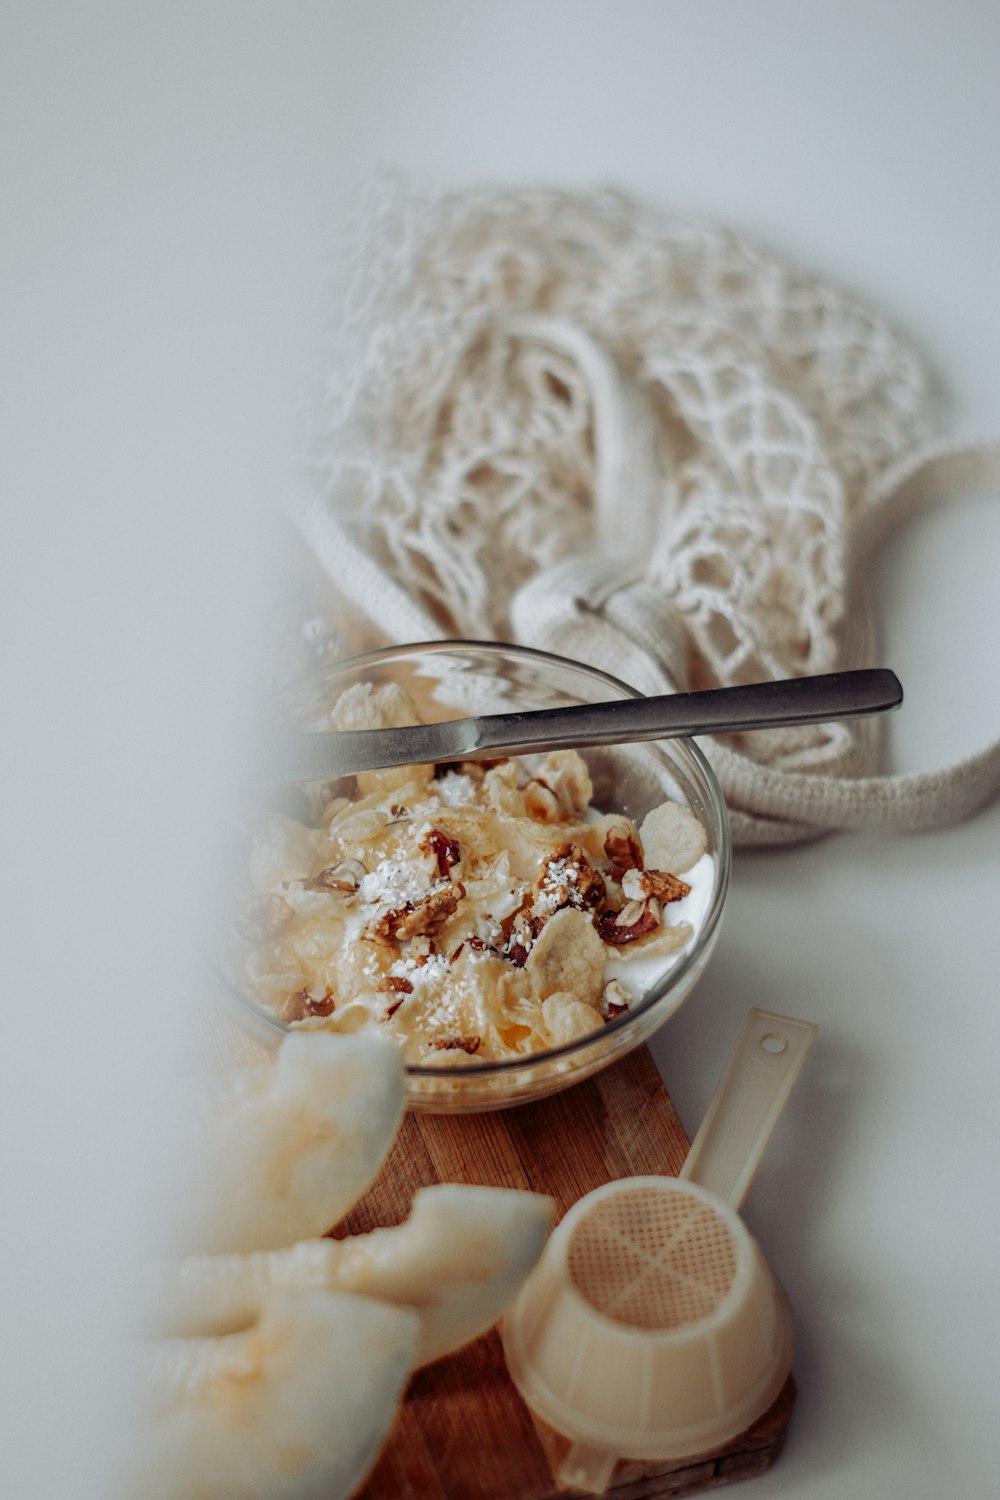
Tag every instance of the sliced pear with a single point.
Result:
(296, 1408)
(458, 1260)
(290, 1146)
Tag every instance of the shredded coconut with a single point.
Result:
(394, 882)
(456, 789)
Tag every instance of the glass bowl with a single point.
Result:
(452, 679)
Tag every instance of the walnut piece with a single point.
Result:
(430, 914)
(300, 1005)
(421, 950)
(623, 848)
(524, 929)
(394, 982)
(386, 929)
(446, 851)
(567, 878)
(615, 1001)
(647, 920)
(468, 1044)
(663, 886)
(638, 885)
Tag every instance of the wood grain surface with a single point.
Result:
(463, 1432)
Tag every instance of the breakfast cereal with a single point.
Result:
(474, 911)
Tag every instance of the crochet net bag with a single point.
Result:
(635, 439)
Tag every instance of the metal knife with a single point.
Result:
(299, 756)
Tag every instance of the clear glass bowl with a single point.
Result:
(452, 679)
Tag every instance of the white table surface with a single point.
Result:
(173, 173)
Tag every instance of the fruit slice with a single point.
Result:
(290, 1146)
(458, 1260)
(296, 1408)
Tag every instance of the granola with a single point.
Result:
(468, 911)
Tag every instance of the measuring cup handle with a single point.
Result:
(747, 1104)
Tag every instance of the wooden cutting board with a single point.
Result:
(463, 1432)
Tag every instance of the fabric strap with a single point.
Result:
(637, 440)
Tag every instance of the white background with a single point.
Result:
(170, 187)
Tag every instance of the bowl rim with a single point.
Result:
(676, 972)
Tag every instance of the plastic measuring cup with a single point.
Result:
(652, 1327)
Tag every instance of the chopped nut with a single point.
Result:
(524, 928)
(395, 982)
(445, 850)
(300, 1005)
(391, 1010)
(663, 886)
(431, 913)
(386, 929)
(623, 848)
(421, 949)
(567, 878)
(468, 1044)
(295, 1007)
(343, 877)
(615, 1001)
(612, 929)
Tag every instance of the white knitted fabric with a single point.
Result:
(634, 439)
